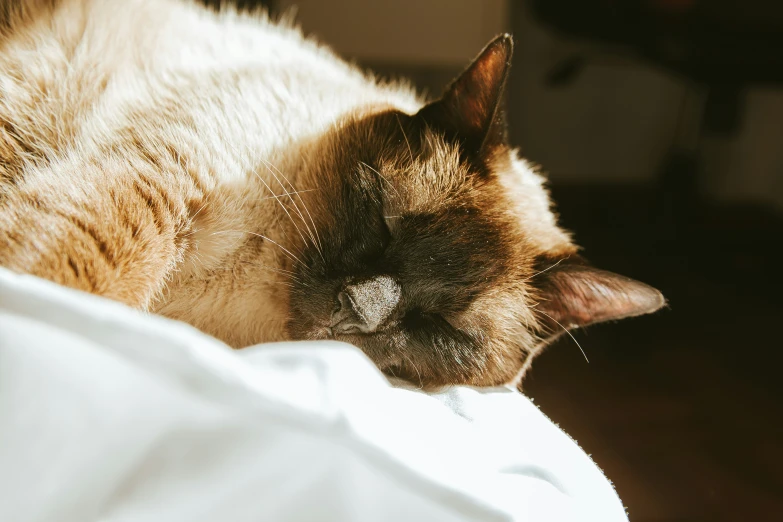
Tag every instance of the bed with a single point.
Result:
(113, 415)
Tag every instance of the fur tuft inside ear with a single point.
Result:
(576, 295)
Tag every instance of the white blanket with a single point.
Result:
(107, 414)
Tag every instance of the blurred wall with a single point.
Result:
(413, 32)
(749, 167)
(613, 123)
(619, 117)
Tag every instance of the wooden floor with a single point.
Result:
(682, 410)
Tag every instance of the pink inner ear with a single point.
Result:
(577, 295)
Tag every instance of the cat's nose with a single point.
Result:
(364, 307)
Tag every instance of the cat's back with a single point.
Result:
(61, 67)
(73, 72)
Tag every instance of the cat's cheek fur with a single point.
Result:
(242, 306)
(507, 320)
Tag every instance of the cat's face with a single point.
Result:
(412, 243)
(429, 242)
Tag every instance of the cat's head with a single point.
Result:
(434, 246)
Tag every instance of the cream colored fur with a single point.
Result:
(165, 130)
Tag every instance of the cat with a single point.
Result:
(221, 169)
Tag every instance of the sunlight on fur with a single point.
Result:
(223, 170)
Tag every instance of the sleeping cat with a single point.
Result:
(220, 169)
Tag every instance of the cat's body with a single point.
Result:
(193, 99)
(222, 170)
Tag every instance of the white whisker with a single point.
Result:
(287, 193)
(290, 274)
(569, 334)
(410, 151)
(408, 358)
(314, 232)
(382, 177)
(277, 198)
(542, 271)
(199, 210)
(284, 249)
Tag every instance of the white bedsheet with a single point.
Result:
(107, 414)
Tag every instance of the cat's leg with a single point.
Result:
(109, 227)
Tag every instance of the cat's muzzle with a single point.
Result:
(364, 307)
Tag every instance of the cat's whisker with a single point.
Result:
(194, 231)
(408, 358)
(314, 231)
(293, 190)
(542, 271)
(287, 272)
(382, 177)
(199, 210)
(284, 249)
(277, 198)
(269, 166)
(298, 251)
(569, 334)
(290, 274)
(192, 218)
(287, 193)
(408, 143)
(280, 283)
(274, 196)
(282, 270)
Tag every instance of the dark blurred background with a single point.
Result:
(660, 123)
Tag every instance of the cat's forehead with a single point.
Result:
(425, 172)
(433, 178)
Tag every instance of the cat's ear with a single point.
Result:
(471, 108)
(575, 295)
